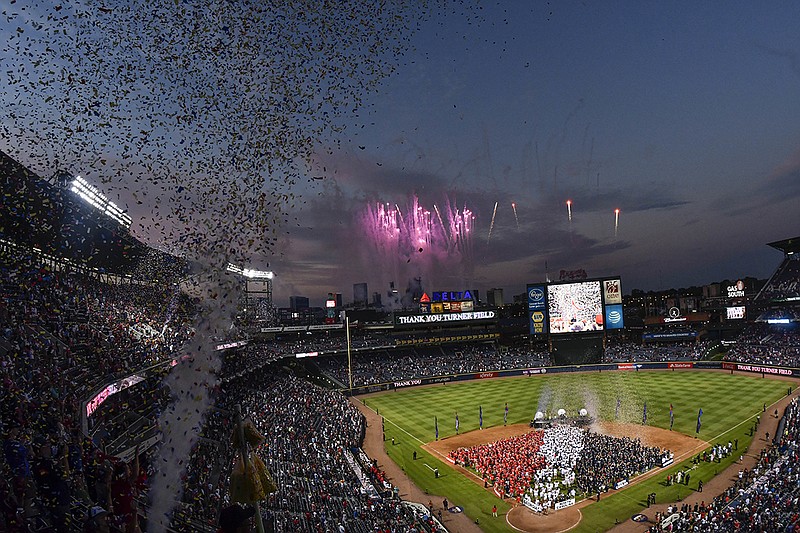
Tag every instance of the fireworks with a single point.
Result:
(514, 207)
(616, 221)
(569, 210)
(400, 236)
(491, 226)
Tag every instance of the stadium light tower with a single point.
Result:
(99, 201)
(257, 298)
(250, 273)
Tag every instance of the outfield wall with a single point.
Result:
(629, 367)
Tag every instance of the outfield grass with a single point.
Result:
(728, 402)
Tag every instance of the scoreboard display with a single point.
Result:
(735, 313)
(575, 307)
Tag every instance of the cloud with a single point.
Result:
(330, 241)
(629, 200)
(367, 178)
(781, 185)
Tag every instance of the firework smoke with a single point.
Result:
(544, 399)
(491, 226)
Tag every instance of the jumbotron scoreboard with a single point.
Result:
(575, 307)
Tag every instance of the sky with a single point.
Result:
(684, 117)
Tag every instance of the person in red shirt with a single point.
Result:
(123, 495)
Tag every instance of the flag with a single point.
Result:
(644, 414)
(456, 423)
(671, 417)
(699, 414)
(616, 413)
(505, 415)
(436, 426)
(480, 416)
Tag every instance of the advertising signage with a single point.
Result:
(536, 298)
(612, 291)
(449, 296)
(537, 309)
(538, 324)
(614, 318)
(735, 313)
(736, 290)
(563, 308)
(410, 320)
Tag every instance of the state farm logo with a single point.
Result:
(535, 294)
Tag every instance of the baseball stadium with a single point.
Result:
(528, 188)
(572, 409)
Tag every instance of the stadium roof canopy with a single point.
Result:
(40, 213)
(787, 246)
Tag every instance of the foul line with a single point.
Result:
(434, 452)
(648, 474)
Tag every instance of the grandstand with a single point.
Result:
(89, 340)
(82, 313)
(772, 337)
(784, 284)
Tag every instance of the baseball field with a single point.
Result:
(617, 400)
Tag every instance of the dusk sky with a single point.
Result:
(685, 117)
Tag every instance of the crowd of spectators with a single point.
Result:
(764, 499)
(64, 333)
(312, 439)
(410, 363)
(94, 330)
(784, 314)
(330, 342)
(655, 352)
(785, 283)
(767, 344)
(72, 332)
